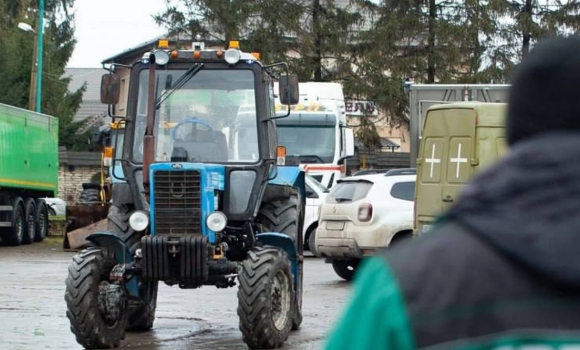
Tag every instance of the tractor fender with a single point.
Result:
(116, 245)
(285, 243)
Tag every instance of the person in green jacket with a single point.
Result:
(501, 268)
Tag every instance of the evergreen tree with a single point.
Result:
(16, 63)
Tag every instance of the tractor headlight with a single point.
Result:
(161, 57)
(216, 221)
(139, 221)
(232, 56)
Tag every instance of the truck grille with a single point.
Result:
(177, 202)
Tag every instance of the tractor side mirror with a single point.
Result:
(288, 89)
(110, 88)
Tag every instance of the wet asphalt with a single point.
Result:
(32, 307)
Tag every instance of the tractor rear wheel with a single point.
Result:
(265, 298)
(283, 215)
(87, 296)
(141, 312)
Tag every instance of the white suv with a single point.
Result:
(362, 214)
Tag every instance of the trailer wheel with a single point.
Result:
(41, 220)
(283, 215)
(265, 298)
(141, 312)
(29, 221)
(14, 235)
(88, 294)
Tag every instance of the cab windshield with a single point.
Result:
(199, 121)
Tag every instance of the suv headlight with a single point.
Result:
(139, 220)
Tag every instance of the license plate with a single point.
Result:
(335, 225)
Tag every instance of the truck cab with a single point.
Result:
(459, 140)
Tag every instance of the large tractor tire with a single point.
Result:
(89, 195)
(87, 276)
(141, 312)
(29, 221)
(14, 235)
(265, 298)
(283, 215)
(41, 221)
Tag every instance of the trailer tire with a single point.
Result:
(141, 312)
(29, 221)
(265, 298)
(41, 221)
(89, 269)
(89, 196)
(283, 215)
(14, 235)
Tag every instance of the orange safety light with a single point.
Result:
(256, 55)
(281, 155)
(108, 156)
(174, 54)
(196, 54)
(163, 44)
(234, 44)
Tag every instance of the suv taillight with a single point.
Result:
(365, 212)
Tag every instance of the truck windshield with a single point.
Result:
(311, 144)
(197, 122)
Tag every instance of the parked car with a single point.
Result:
(361, 215)
(56, 206)
(315, 194)
(401, 171)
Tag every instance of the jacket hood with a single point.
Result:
(527, 206)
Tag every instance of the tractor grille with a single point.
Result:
(177, 202)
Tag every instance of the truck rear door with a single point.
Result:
(444, 163)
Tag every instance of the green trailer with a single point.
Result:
(28, 173)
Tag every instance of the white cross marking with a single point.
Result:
(432, 160)
(458, 160)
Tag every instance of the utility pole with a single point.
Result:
(39, 54)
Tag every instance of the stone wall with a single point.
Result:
(71, 178)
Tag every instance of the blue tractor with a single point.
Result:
(202, 197)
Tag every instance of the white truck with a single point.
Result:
(315, 134)
(423, 96)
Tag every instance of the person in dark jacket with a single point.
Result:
(502, 267)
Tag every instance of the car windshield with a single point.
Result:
(313, 144)
(314, 183)
(349, 191)
(200, 121)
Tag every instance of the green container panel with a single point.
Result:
(28, 150)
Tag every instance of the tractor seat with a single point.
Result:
(208, 146)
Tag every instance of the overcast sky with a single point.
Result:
(105, 28)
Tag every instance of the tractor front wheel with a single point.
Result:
(265, 298)
(96, 308)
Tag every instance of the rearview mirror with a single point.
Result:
(288, 89)
(349, 138)
(110, 88)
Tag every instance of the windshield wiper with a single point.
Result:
(179, 83)
(341, 199)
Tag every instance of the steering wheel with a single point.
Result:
(193, 120)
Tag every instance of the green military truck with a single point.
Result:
(459, 140)
(28, 173)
